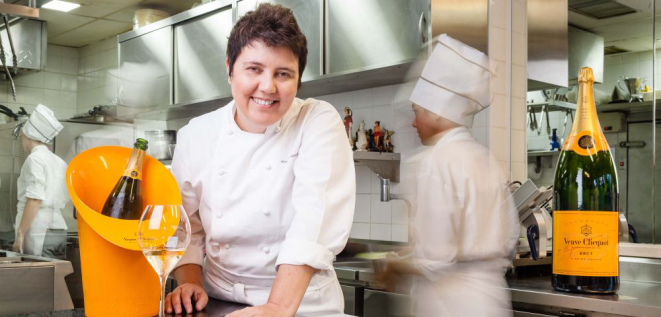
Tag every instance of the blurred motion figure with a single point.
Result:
(464, 229)
(42, 192)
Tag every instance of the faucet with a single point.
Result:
(385, 188)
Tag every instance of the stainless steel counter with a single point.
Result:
(634, 298)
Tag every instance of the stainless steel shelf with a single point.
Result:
(554, 105)
(542, 153)
(382, 163)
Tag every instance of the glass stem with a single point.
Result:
(161, 309)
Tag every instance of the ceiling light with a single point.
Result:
(60, 6)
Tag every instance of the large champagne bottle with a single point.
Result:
(585, 217)
(125, 200)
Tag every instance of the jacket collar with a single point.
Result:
(456, 134)
(39, 147)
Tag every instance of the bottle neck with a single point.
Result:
(586, 118)
(134, 167)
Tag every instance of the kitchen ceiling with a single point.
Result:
(632, 32)
(96, 20)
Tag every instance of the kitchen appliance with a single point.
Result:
(532, 205)
(161, 144)
(627, 90)
(33, 284)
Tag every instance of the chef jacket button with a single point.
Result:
(229, 132)
(266, 250)
(221, 173)
(277, 129)
(268, 167)
(219, 215)
(227, 246)
(214, 243)
(266, 212)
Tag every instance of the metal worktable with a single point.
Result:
(634, 298)
(214, 308)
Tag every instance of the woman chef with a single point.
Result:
(268, 182)
(464, 227)
(42, 192)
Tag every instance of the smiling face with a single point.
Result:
(264, 84)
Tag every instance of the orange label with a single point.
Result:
(585, 243)
(136, 161)
(135, 174)
(586, 143)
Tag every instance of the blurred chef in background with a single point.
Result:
(42, 192)
(464, 229)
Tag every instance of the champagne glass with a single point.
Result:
(163, 234)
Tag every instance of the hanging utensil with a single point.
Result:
(11, 45)
(568, 113)
(3, 60)
(541, 120)
(548, 123)
(532, 118)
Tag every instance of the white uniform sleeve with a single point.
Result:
(35, 176)
(440, 203)
(323, 195)
(195, 252)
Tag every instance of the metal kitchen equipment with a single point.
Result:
(33, 284)
(161, 143)
(535, 218)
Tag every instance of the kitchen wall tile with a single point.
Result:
(380, 232)
(404, 144)
(519, 81)
(612, 73)
(363, 180)
(344, 100)
(403, 116)
(28, 95)
(69, 99)
(499, 86)
(363, 209)
(645, 56)
(498, 13)
(630, 69)
(519, 113)
(645, 69)
(52, 80)
(5, 93)
(363, 115)
(629, 58)
(55, 50)
(383, 95)
(499, 115)
(361, 98)
(407, 180)
(400, 212)
(109, 43)
(69, 65)
(381, 212)
(33, 80)
(612, 60)
(53, 63)
(360, 231)
(519, 146)
(498, 44)
(71, 52)
(384, 115)
(519, 49)
(519, 17)
(402, 92)
(52, 98)
(69, 83)
(111, 58)
(400, 233)
(519, 171)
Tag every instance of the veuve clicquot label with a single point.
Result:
(134, 169)
(585, 243)
(585, 204)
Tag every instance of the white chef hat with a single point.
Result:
(42, 125)
(454, 83)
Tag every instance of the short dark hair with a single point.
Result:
(275, 26)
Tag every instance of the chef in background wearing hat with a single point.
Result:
(464, 229)
(42, 191)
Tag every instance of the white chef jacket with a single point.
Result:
(256, 201)
(464, 230)
(43, 178)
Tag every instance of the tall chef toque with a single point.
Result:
(455, 82)
(42, 125)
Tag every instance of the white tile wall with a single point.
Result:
(53, 86)
(96, 75)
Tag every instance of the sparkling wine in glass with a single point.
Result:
(163, 235)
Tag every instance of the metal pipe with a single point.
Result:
(385, 188)
(11, 45)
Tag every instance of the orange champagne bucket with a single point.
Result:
(117, 279)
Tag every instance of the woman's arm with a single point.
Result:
(290, 284)
(29, 213)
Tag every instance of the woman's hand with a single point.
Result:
(18, 243)
(186, 295)
(266, 310)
